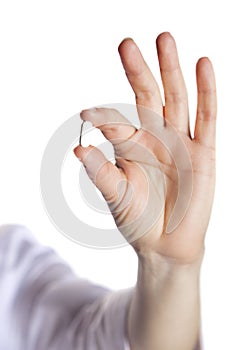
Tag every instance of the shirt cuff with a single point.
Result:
(127, 347)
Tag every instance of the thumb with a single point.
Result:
(105, 175)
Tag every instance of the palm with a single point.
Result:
(160, 177)
(142, 188)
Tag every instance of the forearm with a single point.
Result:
(164, 312)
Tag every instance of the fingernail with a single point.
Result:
(125, 39)
(93, 109)
(128, 38)
(90, 110)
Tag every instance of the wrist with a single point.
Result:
(156, 265)
(166, 297)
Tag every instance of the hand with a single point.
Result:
(125, 185)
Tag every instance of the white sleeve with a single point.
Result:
(44, 305)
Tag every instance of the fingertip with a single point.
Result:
(126, 42)
(80, 152)
(164, 39)
(131, 57)
(85, 114)
(204, 63)
(205, 75)
(77, 152)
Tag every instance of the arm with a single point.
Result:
(44, 305)
(165, 309)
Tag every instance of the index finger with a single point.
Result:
(141, 79)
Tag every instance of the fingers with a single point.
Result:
(140, 77)
(176, 101)
(115, 127)
(102, 172)
(205, 127)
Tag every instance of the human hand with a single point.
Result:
(125, 185)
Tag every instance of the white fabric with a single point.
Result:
(45, 306)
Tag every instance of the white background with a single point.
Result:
(58, 57)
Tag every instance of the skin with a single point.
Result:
(164, 313)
